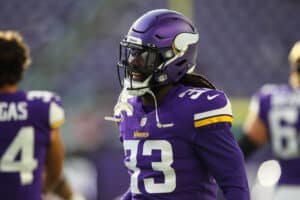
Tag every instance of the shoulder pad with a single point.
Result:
(211, 106)
(56, 115)
(263, 92)
(52, 103)
(193, 93)
(45, 96)
(268, 89)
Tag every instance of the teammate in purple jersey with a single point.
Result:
(274, 115)
(31, 150)
(174, 125)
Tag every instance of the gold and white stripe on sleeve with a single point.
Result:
(223, 114)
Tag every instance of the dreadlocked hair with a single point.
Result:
(196, 80)
(14, 57)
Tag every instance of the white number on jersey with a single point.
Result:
(163, 166)
(43, 95)
(23, 143)
(285, 139)
(193, 93)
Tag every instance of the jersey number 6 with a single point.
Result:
(285, 139)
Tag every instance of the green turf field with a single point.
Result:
(240, 109)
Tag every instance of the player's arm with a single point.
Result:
(54, 181)
(63, 189)
(255, 134)
(254, 129)
(217, 147)
(53, 162)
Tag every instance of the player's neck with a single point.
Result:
(8, 89)
(160, 93)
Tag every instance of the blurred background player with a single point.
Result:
(174, 125)
(274, 115)
(31, 150)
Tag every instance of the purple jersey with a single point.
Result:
(188, 157)
(26, 120)
(279, 108)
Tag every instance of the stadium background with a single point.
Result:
(74, 46)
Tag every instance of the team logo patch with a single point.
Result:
(137, 134)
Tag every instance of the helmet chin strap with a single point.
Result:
(158, 124)
(124, 105)
(141, 87)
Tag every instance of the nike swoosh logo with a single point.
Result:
(212, 97)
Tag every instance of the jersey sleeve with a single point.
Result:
(219, 151)
(215, 108)
(215, 145)
(49, 104)
(56, 115)
(260, 101)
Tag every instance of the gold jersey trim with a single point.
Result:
(57, 124)
(212, 120)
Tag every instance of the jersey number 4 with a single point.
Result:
(163, 166)
(23, 143)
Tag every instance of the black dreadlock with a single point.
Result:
(196, 80)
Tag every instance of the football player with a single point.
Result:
(274, 115)
(174, 125)
(31, 150)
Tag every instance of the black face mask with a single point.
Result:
(145, 59)
(138, 62)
